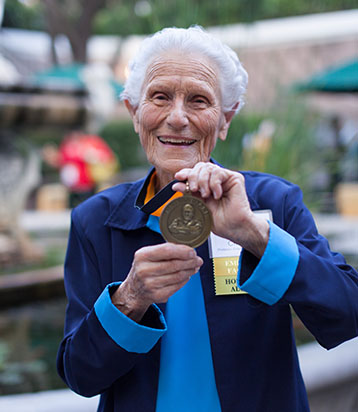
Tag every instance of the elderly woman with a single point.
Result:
(159, 326)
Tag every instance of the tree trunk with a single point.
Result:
(77, 29)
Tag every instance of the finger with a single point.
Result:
(165, 251)
(158, 269)
(217, 178)
(179, 187)
(182, 174)
(152, 288)
(190, 175)
(202, 181)
(162, 295)
(158, 282)
(199, 178)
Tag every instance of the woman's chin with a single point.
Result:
(173, 166)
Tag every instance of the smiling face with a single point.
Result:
(179, 116)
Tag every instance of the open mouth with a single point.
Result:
(176, 141)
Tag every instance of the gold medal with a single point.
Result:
(186, 220)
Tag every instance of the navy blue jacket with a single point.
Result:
(253, 347)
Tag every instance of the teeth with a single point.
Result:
(176, 141)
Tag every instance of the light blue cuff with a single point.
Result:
(275, 270)
(128, 334)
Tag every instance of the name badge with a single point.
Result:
(225, 255)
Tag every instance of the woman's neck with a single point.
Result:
(162, 179)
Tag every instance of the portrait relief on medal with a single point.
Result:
(187, 224)
(186, 220)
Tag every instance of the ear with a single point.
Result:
(227, 117)
(133, 113)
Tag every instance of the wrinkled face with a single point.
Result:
(179, 117)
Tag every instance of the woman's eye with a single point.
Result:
(160, 97)
(200, 101)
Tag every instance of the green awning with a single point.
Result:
(343, 79)
(67, 77)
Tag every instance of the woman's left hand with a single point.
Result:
(224, 193)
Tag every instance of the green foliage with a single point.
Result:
(16, 14)
(229, 153)
(282, 8)
(292, 153)
(122, 17)
(39, 136)
(123, 140)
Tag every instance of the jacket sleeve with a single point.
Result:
(322, 288)
(90, 357)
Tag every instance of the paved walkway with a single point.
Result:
(341, 231)
(36, 221)
(62, 400)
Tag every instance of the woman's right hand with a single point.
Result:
(157, 272)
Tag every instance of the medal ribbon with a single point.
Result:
(151, 203)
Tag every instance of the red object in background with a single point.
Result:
(84, 161)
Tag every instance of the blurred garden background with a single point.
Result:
(65, 134)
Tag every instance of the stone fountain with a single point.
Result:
(19, 175)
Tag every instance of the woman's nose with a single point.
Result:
(177, 117)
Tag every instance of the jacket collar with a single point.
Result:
(125, 215)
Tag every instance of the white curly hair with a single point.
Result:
(232, 76)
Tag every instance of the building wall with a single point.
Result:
(276, 68)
